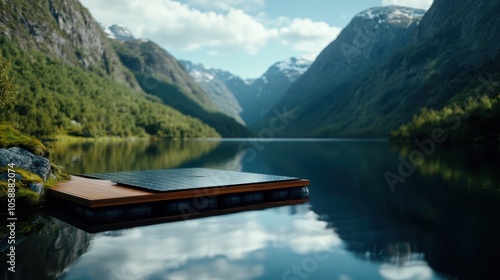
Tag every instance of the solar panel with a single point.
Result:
(186, 178)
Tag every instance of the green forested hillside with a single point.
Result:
(159, 74)
(476, 119)
(63, 29)
(57, 98)
(71, 81)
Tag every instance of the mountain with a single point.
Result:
(71, 80)
(390, 62)
(451, 55)
(118, 31)
(248, 100)
(322, 94)
(265, 92)
(161, 75)
(64, 30)
(241, 88)
(213, 81)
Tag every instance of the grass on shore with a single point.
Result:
(11, 137)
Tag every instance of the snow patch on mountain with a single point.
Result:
(201, 77)
(117, 31)
(107, 31)
(392, 14)
(293, 64)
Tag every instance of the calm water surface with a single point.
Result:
(441, 221)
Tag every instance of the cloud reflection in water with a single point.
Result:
(219, 246)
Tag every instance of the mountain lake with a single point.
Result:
(371, 214)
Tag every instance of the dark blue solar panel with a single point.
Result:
(187, 178)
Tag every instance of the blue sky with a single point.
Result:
(242, 36)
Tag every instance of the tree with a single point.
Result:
(8, 89)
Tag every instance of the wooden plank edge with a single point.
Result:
(193, 193)
(68, 197)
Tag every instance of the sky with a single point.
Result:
(244, 37)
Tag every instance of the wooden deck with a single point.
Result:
(95, 193)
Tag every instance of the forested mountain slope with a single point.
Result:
(161, 75)
(367, 82)
(71, 81)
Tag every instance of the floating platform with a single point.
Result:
(110, 197)
(95, 226)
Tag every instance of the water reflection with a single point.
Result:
(452, 225)
(184, 250)
(48, 251)
(443, 222)
(95, 157)
(465, 166)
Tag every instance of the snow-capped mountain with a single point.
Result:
(287, 70)
(328, 93)
(293, 67)
(117, 31)
(250, 98)
(270, 88)
(392, 14)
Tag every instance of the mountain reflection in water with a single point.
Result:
(441, 223)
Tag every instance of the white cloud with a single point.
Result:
(225, 5)
(307, 35)
(217, 27)
(218, 269)
(420, 4)
(406, 270)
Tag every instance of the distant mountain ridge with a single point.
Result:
(213, 82)
(266, 91)
(250, 98)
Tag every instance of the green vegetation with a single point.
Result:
(159, 74)
(475, 120)
(471, 167)
(10, 137)
(24, 196)
(374, 94)
(63, 29)
(8, 89)
(57, 98)
(94, 157)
